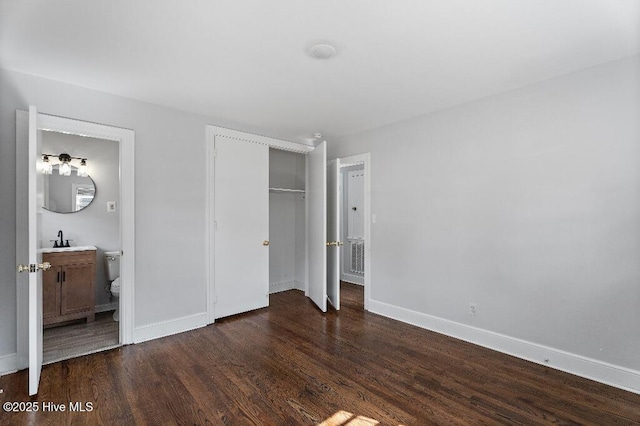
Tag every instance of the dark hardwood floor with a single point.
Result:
(289, 364)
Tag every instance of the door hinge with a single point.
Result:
(215, 153)
(215, 225)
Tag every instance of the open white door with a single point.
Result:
(333, 233)
(241, 226)
(29, 188)
(317, 225)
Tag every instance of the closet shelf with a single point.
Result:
(299, 191)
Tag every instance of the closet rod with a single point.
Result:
(301, 191)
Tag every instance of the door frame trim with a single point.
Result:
(365, 160)
(126, 139)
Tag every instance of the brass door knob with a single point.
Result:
(265, 243)
(45, 266)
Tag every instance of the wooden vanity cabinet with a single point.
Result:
(68, 287)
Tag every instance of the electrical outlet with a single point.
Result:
(473, 309)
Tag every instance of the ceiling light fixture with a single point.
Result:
(322, 51)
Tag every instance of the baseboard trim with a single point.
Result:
(282, 286)
(167, 328)
(353, 279)
(106, 307)
(599, 371)
(8, 364)
(285, 286)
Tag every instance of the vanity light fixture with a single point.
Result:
(64, 165)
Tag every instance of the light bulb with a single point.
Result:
(82, 170)
(47, 167)
(65, 168)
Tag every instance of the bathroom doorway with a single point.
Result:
(81, 239)
(29, 237)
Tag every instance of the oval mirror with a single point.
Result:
(67, 194)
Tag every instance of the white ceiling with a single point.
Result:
(245, 61)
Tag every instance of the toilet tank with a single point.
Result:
(112, 264)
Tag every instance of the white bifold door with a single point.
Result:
(241, 226)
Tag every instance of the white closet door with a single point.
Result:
(333, 233)
(241, 206)
(316, 192)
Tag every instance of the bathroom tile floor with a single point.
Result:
(80, 338)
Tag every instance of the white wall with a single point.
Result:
(92, 225)
(170, 196)
(526, 203)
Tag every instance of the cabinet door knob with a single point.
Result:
(265, 243)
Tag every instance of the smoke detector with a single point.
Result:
(322, 51)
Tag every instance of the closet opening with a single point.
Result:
(287, 223)
(274, 205)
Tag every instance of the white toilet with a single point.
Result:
(112, 269)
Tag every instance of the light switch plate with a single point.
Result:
(111, 206)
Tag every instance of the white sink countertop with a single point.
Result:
(63, 249)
